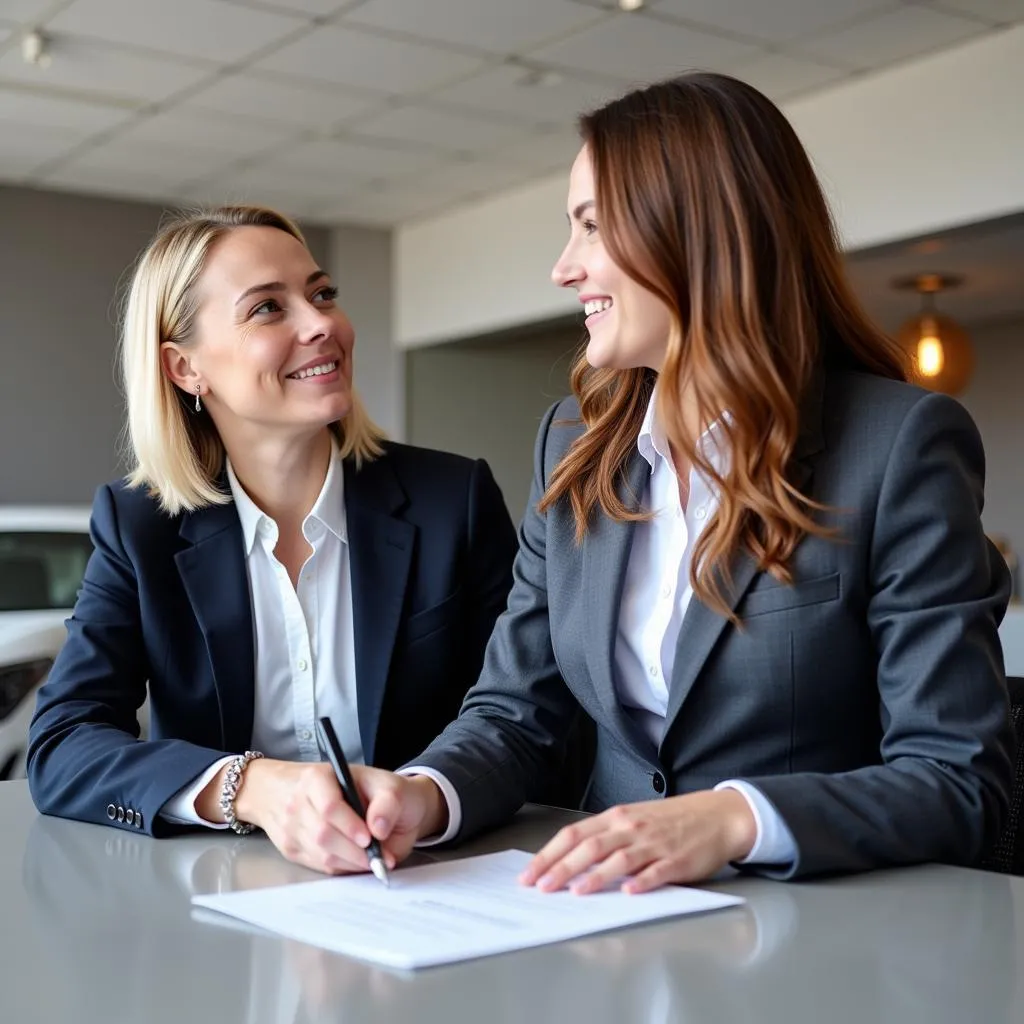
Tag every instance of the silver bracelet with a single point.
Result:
(232, 781)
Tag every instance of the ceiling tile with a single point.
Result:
(498, 90)
(639, 49)
(776, 22)
(20, 108)
(350, 57)
(1001, 12)
(27, 11)
(112, 181)
(472, 177)
(384, 209)
(300, 104)
(439, 128)
(194, 28)
(781, 77)
(316, 7)
(902, 33)
(200, 129)
(27, 146)
(498, 27)
(99, 68)
(544, 152)
(326, 160)
(299, 202)
(163, 162)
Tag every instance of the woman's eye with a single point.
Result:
(589, 227)
(326, 294)
(267, 306)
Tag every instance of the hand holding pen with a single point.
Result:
(332, 748)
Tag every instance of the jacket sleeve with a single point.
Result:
(938, 590)
(85, 756)
(511, 728)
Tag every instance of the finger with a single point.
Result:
(582, 857)
(325, 798)
(657, 874)
(555, 849)
(384, 811)
(626, 860)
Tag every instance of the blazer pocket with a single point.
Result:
(778, 597)
(431, 619)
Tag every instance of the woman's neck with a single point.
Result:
(283, 477)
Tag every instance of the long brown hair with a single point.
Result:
(707, 199)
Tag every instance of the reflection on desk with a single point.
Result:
(116, 917)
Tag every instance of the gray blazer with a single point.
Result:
(867, 701)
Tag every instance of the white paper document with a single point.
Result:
(450, 911)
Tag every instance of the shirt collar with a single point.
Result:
(653, 444)
(328, 509)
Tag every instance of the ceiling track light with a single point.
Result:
(35, 48)
(630, 5)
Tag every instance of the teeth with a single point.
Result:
(315, 371)
(596, 306)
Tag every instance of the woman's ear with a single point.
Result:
(177, 367)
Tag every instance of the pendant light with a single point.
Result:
(940, 350)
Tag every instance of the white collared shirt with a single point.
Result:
(655, 597)
(303, 637)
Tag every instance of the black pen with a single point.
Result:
(332, 748)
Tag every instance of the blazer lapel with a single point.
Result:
(605, 560)
(213, 572)
(380, 556)
(702, 627)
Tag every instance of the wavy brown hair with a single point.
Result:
(708, 200)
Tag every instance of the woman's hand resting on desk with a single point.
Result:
(300, 807)
(681, 839)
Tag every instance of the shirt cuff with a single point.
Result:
(181, 808)
(451, 798)
(774, 843)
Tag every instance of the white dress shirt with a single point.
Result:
(655, 597)
(303, 638)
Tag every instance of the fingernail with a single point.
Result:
(363, 839)
(380, 824)
(545, 882)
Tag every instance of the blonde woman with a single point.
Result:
(754, 556)
(269, 559)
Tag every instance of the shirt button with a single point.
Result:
(305, 734)
(658, 783)
(666, 591)
(653, 669)
(701, 512)
(302, 664)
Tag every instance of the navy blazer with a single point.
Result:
(166, 600)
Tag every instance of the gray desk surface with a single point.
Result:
(96, 926)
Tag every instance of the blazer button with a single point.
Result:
(120, 814)
(658, 782)
(138, 819)
(129, 816)
(111, 811)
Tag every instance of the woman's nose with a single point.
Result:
(567, 270)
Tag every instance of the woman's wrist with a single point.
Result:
(435, 817)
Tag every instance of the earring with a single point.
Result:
(199, 390)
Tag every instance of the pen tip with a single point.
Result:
(381, 872)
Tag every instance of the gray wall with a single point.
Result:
(360, 263)
(995, 398)
(486, 398)
(62, 258)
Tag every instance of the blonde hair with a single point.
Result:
(175, 453)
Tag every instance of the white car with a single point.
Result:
(43, 553)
